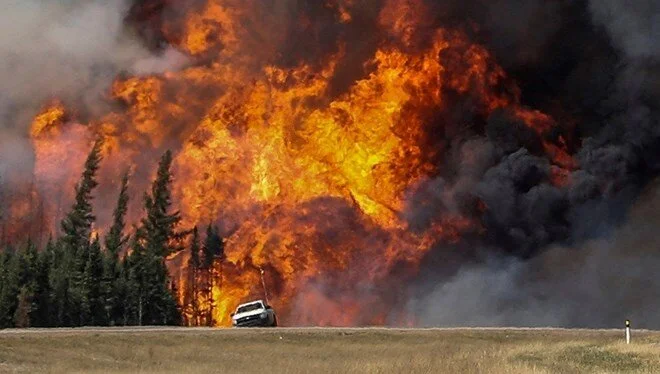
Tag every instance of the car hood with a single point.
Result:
(249, 314)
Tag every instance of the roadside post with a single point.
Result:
(263, 283)
(627, 331)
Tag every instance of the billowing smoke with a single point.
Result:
(70, 50)
(597, 283)
(573, 264)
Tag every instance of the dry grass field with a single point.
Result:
(319, 350)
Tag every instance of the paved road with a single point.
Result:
(149, 329)
(85, 330)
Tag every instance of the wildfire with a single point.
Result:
(308, 185)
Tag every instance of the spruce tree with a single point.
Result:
(113, 285)
(134, 269)
(40, 316)
(115, 240)
(59, 280)
(27, 276)
(125, 291)
(9, 287)
(160, 238)
(159, 225)
(118, 304)
(77, 225)
(75, 243)
(161, 306)
(92, 304)
(151, 300)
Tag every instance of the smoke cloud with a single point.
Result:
(70, 50)
(595, 284)
(581, 258)
(633, 27)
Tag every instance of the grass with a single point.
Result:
(328, 351)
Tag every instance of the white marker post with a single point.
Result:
(627, 331)
(263, 283)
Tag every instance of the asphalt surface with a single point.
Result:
(178, 329)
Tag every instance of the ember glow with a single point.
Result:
(307, 181)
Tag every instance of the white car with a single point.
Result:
(254, 313)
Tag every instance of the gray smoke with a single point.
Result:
(633, 26)
(596, 284)
(69, 49)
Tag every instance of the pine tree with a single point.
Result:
(59, 280)
(77, 224)
(75, 243)
(115, 240)
(161, 307)
(125, 294)
(28, 261)
(9, 287)
(157, 304)
(40, 316)
(112, 289)
(92, 306)
(160, 224)
(150, 300)
(120, 293)
(134, 268)
(113, 285)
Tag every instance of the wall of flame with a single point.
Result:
(307, 183)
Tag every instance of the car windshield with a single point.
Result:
(249, 308)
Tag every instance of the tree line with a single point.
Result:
(81, 279)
